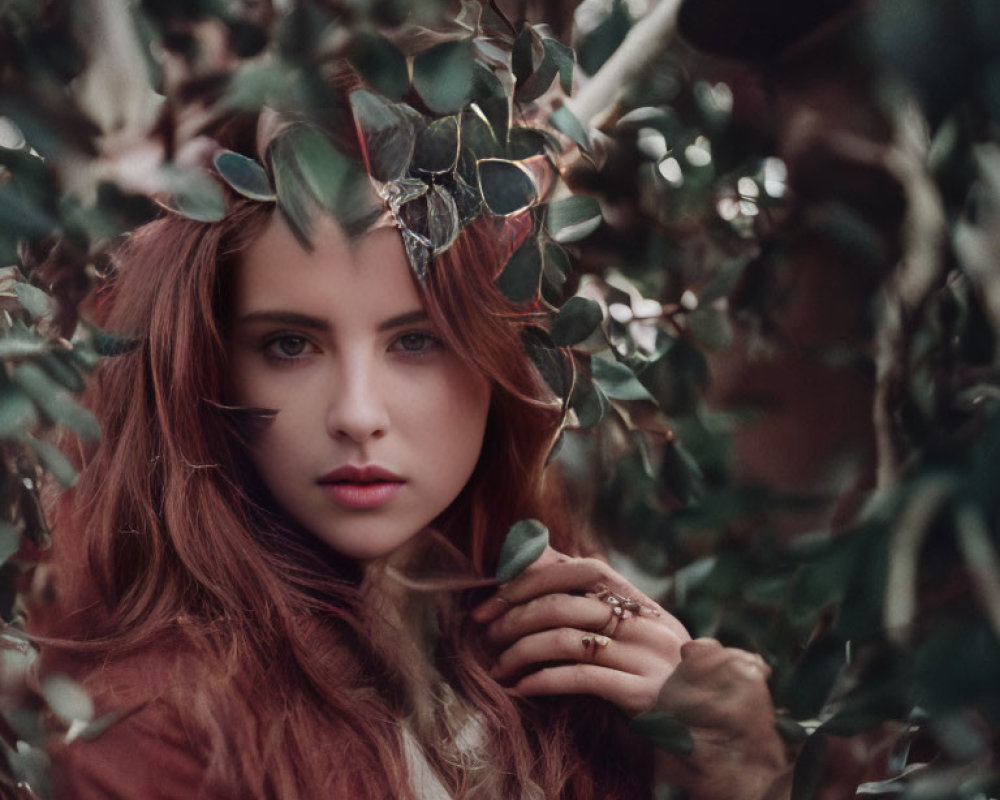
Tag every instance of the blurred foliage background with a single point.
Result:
(785, 415)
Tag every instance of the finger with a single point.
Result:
(706, 659)
(569, 644)
(629, 692)
(577, 574)
(552, 611)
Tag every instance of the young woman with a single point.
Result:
(276, 567)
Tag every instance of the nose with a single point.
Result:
(358, 411)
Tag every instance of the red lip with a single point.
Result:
(366, 474)
(361, 488)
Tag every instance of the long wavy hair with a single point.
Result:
(168, 552)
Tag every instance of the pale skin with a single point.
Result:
(649, 661)
(337, 341)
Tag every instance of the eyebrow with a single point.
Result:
(320, 324)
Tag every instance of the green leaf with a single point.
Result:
(680, 473)
(526, 541)
(665, 731)
(564, 120)
(18, 344)
(548, 358)
(193, 194)
(68, 700)
(589, 403)
(522, 274)
(564, 58)
(33, 300)
(617, 380)
(575, 321)
(381, 64)
(322, 166)
(507, 186)
(244, 175)
(52, 459)
(538, 82)
(436, 148)
(61, 366)
(10, 541)
(55, 402)
(108, 344)
(527, 142)
(527, 53)
(555, 267)
(442, 76)
(573, 218)
(388, 134)
(478, 136)
(18, 414)
(598, 45)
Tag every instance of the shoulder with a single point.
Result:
(146, 752)
(149, 750)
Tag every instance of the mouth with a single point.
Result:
(361, 488)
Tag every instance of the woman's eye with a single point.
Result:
(287, 346)
(416, 342)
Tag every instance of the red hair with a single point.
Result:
(166, 546)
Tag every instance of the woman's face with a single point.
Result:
(379, 423)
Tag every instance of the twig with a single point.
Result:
(647, 37)
(921, 268)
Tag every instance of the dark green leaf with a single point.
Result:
(665, 731)
(108, 344)
(10, 541)
(507, 186)
(525, 542)
(436, 148)
(589, 403)
(575, 321)
(442, 76)
(564, 59)
(478, 136)
(617, 380)
(548, 358)
(381, 64)
(538, 82)
(244, 175)
(564, 120)
(555, 268)
(17, 413)
(598, 45)
(52, 459)
(526, 142)
(680, 473)
(527, 53)
(522, 274)
(55, 402)
(573, 218)
(388, 134)
(60, 365)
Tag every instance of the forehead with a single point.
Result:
(340, 273)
